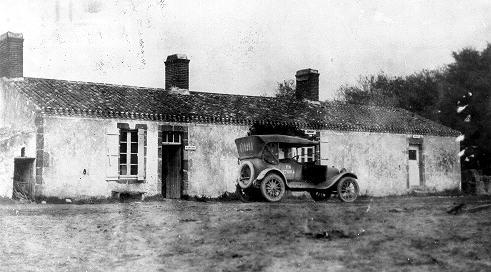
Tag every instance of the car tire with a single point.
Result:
(273, 188)
(320, 195)
(348, 189)
(246, 174)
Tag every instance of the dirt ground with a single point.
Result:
(380, 234)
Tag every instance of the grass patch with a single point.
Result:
(154, 198)
(89, 200)
(225, 197)
(6, 200)
(448, 192)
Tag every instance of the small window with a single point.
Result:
(306, 154)
(171, 138)
(128, 153)
(412, 155)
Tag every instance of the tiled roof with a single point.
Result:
(61, 97)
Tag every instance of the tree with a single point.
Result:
(285, 89)
(417, 92)
(466, 104)
(458, 96)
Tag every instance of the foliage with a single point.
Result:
(468, 85)
(457, 96)
(285, 89)
(409, 92)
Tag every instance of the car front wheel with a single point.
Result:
(273, 188)
(348, 189)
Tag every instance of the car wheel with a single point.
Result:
(246, 174)
(348, 189)
(273, 188)
(320, 195)
(242, 194)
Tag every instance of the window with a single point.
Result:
(171, 138)
(412, 155)
(305, 154)
(269, 156)
(128, 152)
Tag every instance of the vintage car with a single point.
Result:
(271, 164)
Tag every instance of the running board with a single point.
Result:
(304, 185)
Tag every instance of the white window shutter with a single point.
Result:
(112, 152)
(141, 154)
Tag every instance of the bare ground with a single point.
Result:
(381, 234)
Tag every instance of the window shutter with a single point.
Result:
(112, 152)
(141, 154)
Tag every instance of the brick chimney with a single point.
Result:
(307, 84)
(177, 72)
(11, 55)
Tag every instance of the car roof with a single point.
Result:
(286, 139)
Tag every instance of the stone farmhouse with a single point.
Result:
(79, 140)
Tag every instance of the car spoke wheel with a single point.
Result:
(246, 174)
(320, 195)
(273, 187)
(348, 189)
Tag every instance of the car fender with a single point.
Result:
(266, 171)
(336, 178)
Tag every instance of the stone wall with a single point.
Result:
(17, 131)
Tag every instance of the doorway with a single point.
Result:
(23, 183)
(414, 165)
(171, 171)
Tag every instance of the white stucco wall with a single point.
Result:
(213, 166)
(17, 131)
(380, 160)
(74, 144)
(442, 163)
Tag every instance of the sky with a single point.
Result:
(242, 47)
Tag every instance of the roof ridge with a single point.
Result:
(142, 87)
(337, 102)
(97, 83)
(227, 94)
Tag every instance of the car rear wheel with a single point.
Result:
(320, 195)
(273, 188)
(246, 174)
(348, 189)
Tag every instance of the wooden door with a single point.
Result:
(414, 166)
(172, 170)
(23, 178)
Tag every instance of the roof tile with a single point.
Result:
(61, 97)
